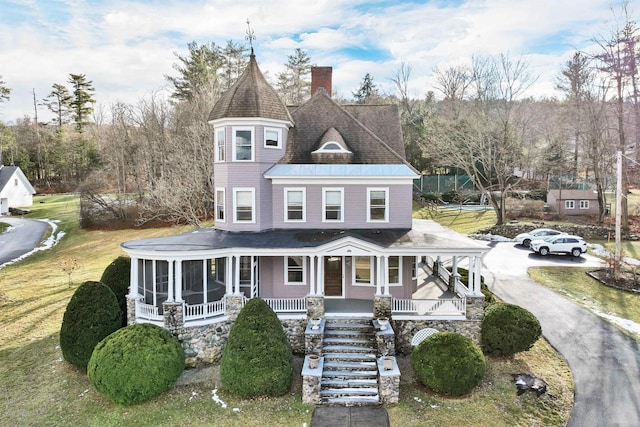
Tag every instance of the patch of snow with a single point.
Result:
(236, 409)
(83, 393)
(51, 241)
(417, 399)
(194, 394)
(214, 396)
(603, 252)
(491, 237)
(625, 324)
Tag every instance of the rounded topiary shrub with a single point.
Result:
(257, 359)
(136, 363)
(448, 363)
(508, 329)
(116, 276)
(92, 314)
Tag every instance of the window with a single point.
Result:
(584, 204)
(162, 277)
(377, 200)
(569, 204)
(15, 182)
(295, 271)
(294, 204)
(220, 195)
(192, 276)
(245, 270)
(363, 270)
(332, 147)
(272, 138)
(393, 270)
(243, 144)
(332, 205)
(244, 200)
(219, 155)
(219, 267)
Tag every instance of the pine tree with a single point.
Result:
(198, 71)
(59, 103)
(81, 99)
(294, 83)
(367, 92)
(4, 91)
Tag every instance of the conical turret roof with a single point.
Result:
(251, 96)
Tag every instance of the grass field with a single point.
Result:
(38, 388)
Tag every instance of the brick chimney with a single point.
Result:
(321, 78)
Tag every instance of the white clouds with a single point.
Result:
(127, 47)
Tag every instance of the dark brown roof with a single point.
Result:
(372, 132)
(250, 96)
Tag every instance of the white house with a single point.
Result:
(15, 189)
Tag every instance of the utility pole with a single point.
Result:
(619, 195)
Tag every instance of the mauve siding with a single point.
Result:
(355, 210)
(275, 287)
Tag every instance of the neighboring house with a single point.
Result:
(15, 189)
(313, 213)
(573, 202)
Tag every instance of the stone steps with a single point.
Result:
(350, 371)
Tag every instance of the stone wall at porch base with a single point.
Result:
(204, 344)
(470, 328)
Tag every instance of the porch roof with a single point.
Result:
(425, 236)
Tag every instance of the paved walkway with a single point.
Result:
(605, 363)
(352, 416)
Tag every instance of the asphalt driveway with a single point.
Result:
(605, 363)
(23, 236)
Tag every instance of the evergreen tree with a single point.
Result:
(198, 71)
(59, 103)
(294, 83)
(234, 61)
(4, 91)
(367, 92)
(81, 99)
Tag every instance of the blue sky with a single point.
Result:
(127, 47)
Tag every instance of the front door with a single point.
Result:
(333, 276)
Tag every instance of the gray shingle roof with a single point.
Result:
(250, 96)
(6, 172)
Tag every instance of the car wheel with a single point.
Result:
(544, 251)
(526, 243)
(576, 252)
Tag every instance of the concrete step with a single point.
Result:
(346, 374)
(338, 365)
(350, 400)
(348, 382)
(346, 332)
(348, 341)
(350, 357)
(354, 391)
(339, 348)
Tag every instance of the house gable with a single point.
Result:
(15, 188)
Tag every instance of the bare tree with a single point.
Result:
(453, 82)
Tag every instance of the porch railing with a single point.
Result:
(287, 305)
(147, 311)
(444, 306)
(202, 311)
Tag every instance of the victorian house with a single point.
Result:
(313, 214)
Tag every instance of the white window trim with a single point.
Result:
(324, 149)
(216, 142)
(304, 272)
(279, 132)
(569, 204)
(224, 204)
(399, 283)
(235, 129)
(253, 205)
(584, 204)
(371, 272)
(386, 204)
(324, 204)
(304, 204)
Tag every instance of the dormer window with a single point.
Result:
(219, 155)
(331, 147)
(272, 138)
(243, 144)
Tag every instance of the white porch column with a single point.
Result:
(236, 278)
(228, 279)
(471, 278)
(178, 280)
(170, 281)
(154, 282)
(320, 275)
(454, 266)
(133, 278)
(312, 274)
(205, 281)
(378, 274)
(476, 278)
(385, 263)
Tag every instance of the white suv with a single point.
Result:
(561, 244)
(539, 233)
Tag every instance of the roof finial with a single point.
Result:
(250, 36)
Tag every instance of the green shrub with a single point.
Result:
(489, 298)
(92, 314)
(136, 363)
(257, 359)
(452, 196)
(448, 363)
(116, 276)
(508, 329)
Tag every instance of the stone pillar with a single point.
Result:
(475, 308)
(233, 305)
(382, 306)
(315, 306)
(131, 309)
(313, 336)
(173, 315)
(311, 381)
(385, 338)
(389, 381)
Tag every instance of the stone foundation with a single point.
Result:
(315, 306)
(131, 310)
(204, 344)
(382, 306)
(295, 331)
(406, 329)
